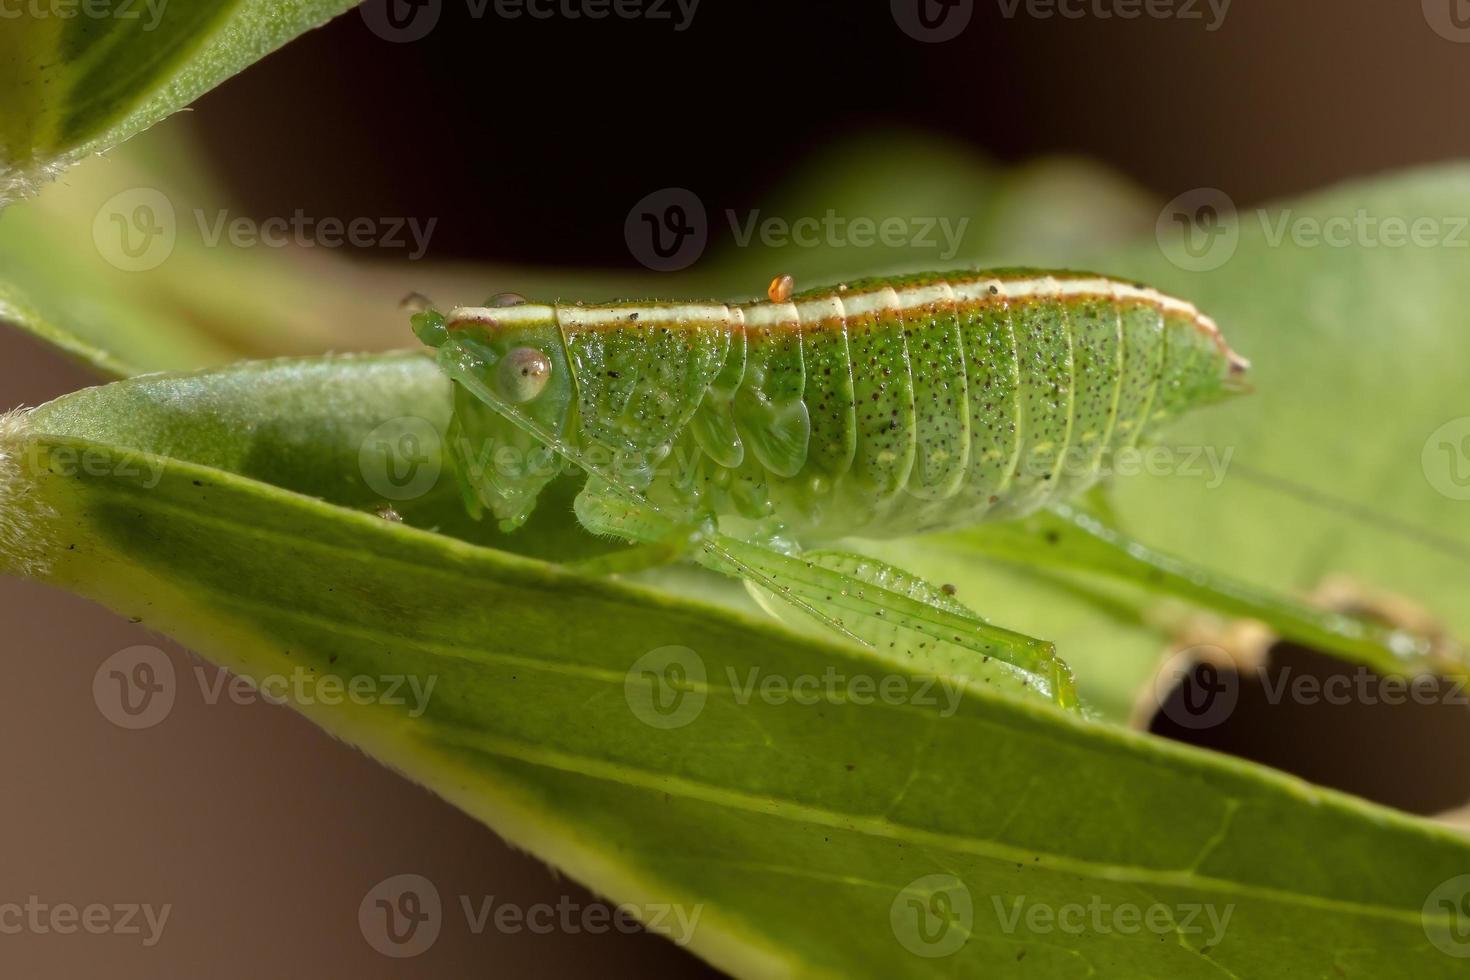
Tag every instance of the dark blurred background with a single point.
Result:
(532, 138)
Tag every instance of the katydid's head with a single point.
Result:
(513, 397)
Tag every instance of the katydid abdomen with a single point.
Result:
(877, 408)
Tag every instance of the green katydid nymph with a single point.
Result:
(738, 435)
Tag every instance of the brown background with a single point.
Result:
(264, 834)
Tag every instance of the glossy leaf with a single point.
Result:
(235, 510)
(81, 78)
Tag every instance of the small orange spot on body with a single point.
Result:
(780, 288)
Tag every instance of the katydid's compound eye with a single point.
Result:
(523, 374)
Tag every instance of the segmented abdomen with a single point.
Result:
(893, 406)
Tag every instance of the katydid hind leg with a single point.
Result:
(906, 621)
(1066, 537)
(911, 621)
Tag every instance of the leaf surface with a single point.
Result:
(233, 509)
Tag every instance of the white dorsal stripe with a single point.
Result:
(881, 300)
(813, 311)
(769, 314)
(601, 316)
(978, 289)
(938, 292)
(524, 313)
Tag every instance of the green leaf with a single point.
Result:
(83, 79)
(1346, 460)
(234, 510)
